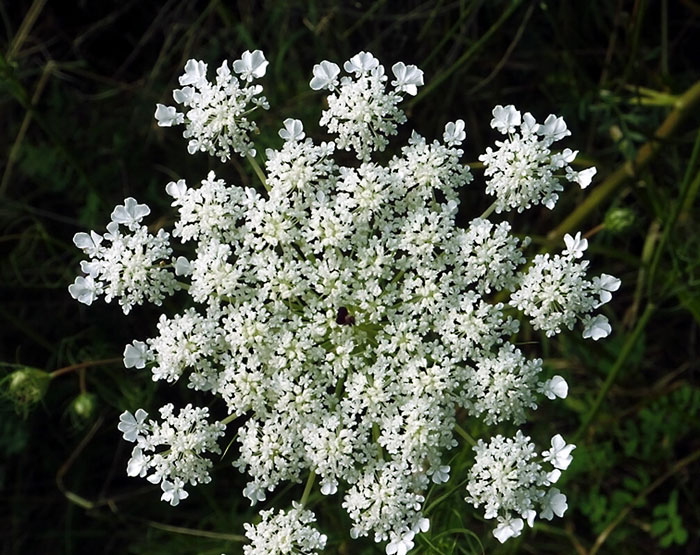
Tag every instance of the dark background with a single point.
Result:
(78, 87)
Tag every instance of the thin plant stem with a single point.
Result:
(646, 153)
(307, 489)
(462, 432)
(74, 367)
(488, 211)
(258, 171)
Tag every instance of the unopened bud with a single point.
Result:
(26, 387)
(83, 407)
(619, 220)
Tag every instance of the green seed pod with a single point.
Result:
(619, 220)
(26, 387)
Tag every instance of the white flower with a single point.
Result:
(554, 128)
(293, 130)
(401, 543)
(508, 529)
(454, 133)
(606, 284)
(584, 177)
(132, 426)
(596, 327)
(84, 290)
(553, 504)
(135, 355)
(342, 313)
(130, 213)
(555, 387)
(168, 116)
(325, 76)
(408, 78)
(252, 65)
(183, 267)
(176, 189)
(88, 243)
(505, 119)
(360, 63)
(138, 463)
(195, 73)
(284, 533)
(560, 453)
(173, 492)
(441, 475)
(254, 492)
(575, 245)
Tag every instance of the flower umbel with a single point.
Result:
(341, 309)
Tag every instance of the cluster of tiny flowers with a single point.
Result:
(215, 113)
(343, 312)
(125, 263)
(509, 479)
(555, 292)
(170, 453)
(360, 111)
(523, 171)
(287, 532)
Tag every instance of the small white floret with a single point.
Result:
(167, 116)
(554, 128)
(555, 387)
(408, 78)
(83, 289)
(360, 63)
(505, 119)
(132, 425)
(325, 76)
(553, 504)
(596, 327)
(509, 529)
(130, 213)
(575, 245)
(252, 65)
(195, 73)
(293, 130)
(584, 177)
(135, 355)
(560, 453)
(454, 133)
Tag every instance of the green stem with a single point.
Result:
(488, 211)
(462, 432)
(615, 370)
(258, 171)
(646, 153)
(307, 489)
(230, 418)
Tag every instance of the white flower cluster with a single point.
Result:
(524, 171)
(287, 532)
(125, 264)
(343, 312)
(555, 292)
(360, 111)
(170, 454)
(508, 479)
(216, 113)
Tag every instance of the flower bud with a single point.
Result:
(26, 387)
(619, 220)
(82, 408)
